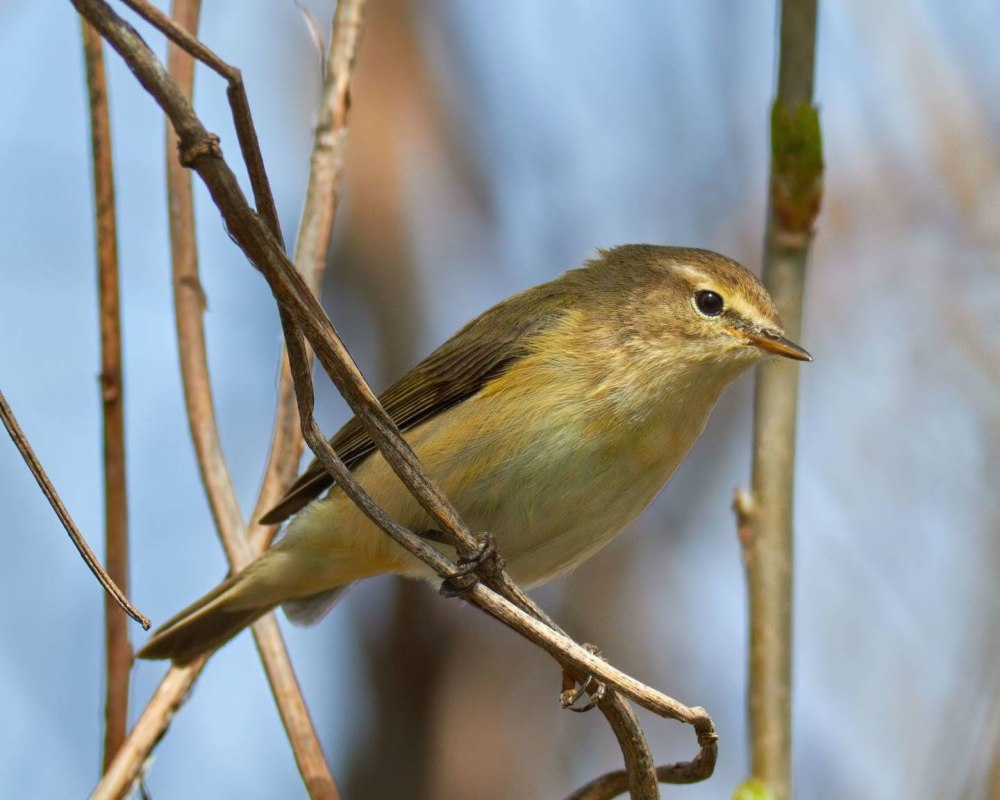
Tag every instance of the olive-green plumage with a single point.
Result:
(551, 420)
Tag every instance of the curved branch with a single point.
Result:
(615, 783)
(302, 314)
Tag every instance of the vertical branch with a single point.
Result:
(118, 648)
(765, 517)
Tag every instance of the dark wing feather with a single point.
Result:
(458, 369)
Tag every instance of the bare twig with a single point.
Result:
(117, 647)
(246, 133)
(295, 300)
(615, 783)
(765, 517)
(129, 763)
(21, 442)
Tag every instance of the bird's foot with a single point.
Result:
(484, 561)
(572, 693)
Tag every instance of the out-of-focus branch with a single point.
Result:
(21, 442)
(765, 516)
(302, 314)
(118, 650)
(132, 757)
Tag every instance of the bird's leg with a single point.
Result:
(484, 561)
(570, 694)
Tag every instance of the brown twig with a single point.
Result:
(246, 133)
(265, 252)
(21, 442)
(765, 517)
(117, 647)
(615, 783)
(130, 762)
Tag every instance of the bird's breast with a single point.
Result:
(555, 476)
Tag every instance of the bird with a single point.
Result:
(551, 421)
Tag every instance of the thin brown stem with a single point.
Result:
(246, 133)
(615, 783)
(765, 516)
(118, 659)
(128, 764)
(21, 442)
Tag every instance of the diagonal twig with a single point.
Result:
(21, 442)
(118, 650)
(239, 105)
(265, 253)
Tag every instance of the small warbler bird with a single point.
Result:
(551, 421)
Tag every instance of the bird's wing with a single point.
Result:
(458, 369)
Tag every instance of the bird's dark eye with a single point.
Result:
(709, 303)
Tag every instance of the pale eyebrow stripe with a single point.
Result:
(693, 273)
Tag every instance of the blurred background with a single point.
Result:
(491, 147)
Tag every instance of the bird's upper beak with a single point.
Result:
(772, 342)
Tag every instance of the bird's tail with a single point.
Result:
(205, 624)
(233, 605)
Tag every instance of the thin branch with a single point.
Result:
(21, 442)
(765, 517)
(133, 756)
(296, 301)
(117, 647)
(615, 783)
(189, 310)
(246, 133)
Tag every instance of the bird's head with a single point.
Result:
(691, 306)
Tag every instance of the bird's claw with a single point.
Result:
(571, 693)
(485, 559)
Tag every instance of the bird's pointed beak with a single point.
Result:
(774, 342)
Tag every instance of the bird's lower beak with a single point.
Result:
(776, 343)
